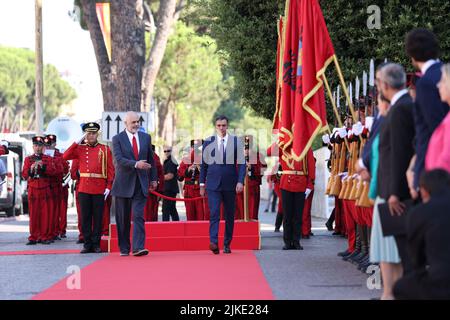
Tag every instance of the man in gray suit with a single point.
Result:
(135, 174)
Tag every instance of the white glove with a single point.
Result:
(81, 139)
(369, 123)
(326, 139)
(307, 192)
(106, 193)
(357, 128)
(342, 132)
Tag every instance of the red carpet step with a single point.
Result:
(189, 236)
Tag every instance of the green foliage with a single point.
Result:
(190, 76)
(17, 81)
(246, 31)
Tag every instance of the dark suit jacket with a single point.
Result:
(367, 150)
(396, 149)
(126, 173)
(428, 235)
(429, 111)
(220, 176)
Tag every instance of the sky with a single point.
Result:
(65, 45)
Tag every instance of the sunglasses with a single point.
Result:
(167, 150)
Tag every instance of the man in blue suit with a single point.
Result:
(423, 48)
(222, 174)
(135, 175)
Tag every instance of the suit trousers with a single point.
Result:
(124, 207)
(169, 207)
(92, 206)
(293, 203)
(215, 198)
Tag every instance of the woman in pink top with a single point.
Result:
(438, 154)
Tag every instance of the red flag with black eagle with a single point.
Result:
(307, 52)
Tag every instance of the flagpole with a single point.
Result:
(336, 112)
(344, 88)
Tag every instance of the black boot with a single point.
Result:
(278, 221)
(329, 223)
(357, 245)
(364, 249)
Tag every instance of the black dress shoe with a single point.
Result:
(63, 236)
(277, 230)
(343, 253)
(141, 252)
(214, 248)
(226, 249)
(86, 250)
(56, 238)
(46, 242)
(336, 233)
(80, 241)
(288, 247)
(305, 237)
(329, 226)
(31, 242)
(97, 250)
(311, 234)
(297, 246)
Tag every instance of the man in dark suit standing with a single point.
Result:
(423, 48)
(222, 174)
(396, 146)
(135, 175)
(428, 239)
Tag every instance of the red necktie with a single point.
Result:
(135, 149)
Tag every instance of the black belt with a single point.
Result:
(191, 183)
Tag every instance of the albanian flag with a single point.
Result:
(307, 52)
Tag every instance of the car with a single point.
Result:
(22, 146)
(11, 190)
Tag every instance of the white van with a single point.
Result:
(11, 190)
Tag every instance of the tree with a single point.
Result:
(190, 79)
(246, 31)
(128, 75)
(17, 79)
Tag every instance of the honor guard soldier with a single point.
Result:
(296, 183)
(189, 171)
(96, 177)
(37, 170)
(255, 170)
(61, 193)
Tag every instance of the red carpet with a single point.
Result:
(180, 275)
(37, 252)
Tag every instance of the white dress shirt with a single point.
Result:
(130, 137)
(427, 65)
(219, 141)
(398, 95)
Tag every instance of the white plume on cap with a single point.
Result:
(369, 123)
(357, 128)
(326, 139)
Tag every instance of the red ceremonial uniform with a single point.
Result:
(299, 175)
(61, 216)
(191, 188)
(254, 179)
(38, 184)
(152, 204)
(95, 166)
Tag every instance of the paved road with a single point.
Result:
(314, 273)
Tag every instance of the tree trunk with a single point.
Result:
(128, 52)
(166, 19)
(105, 68)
